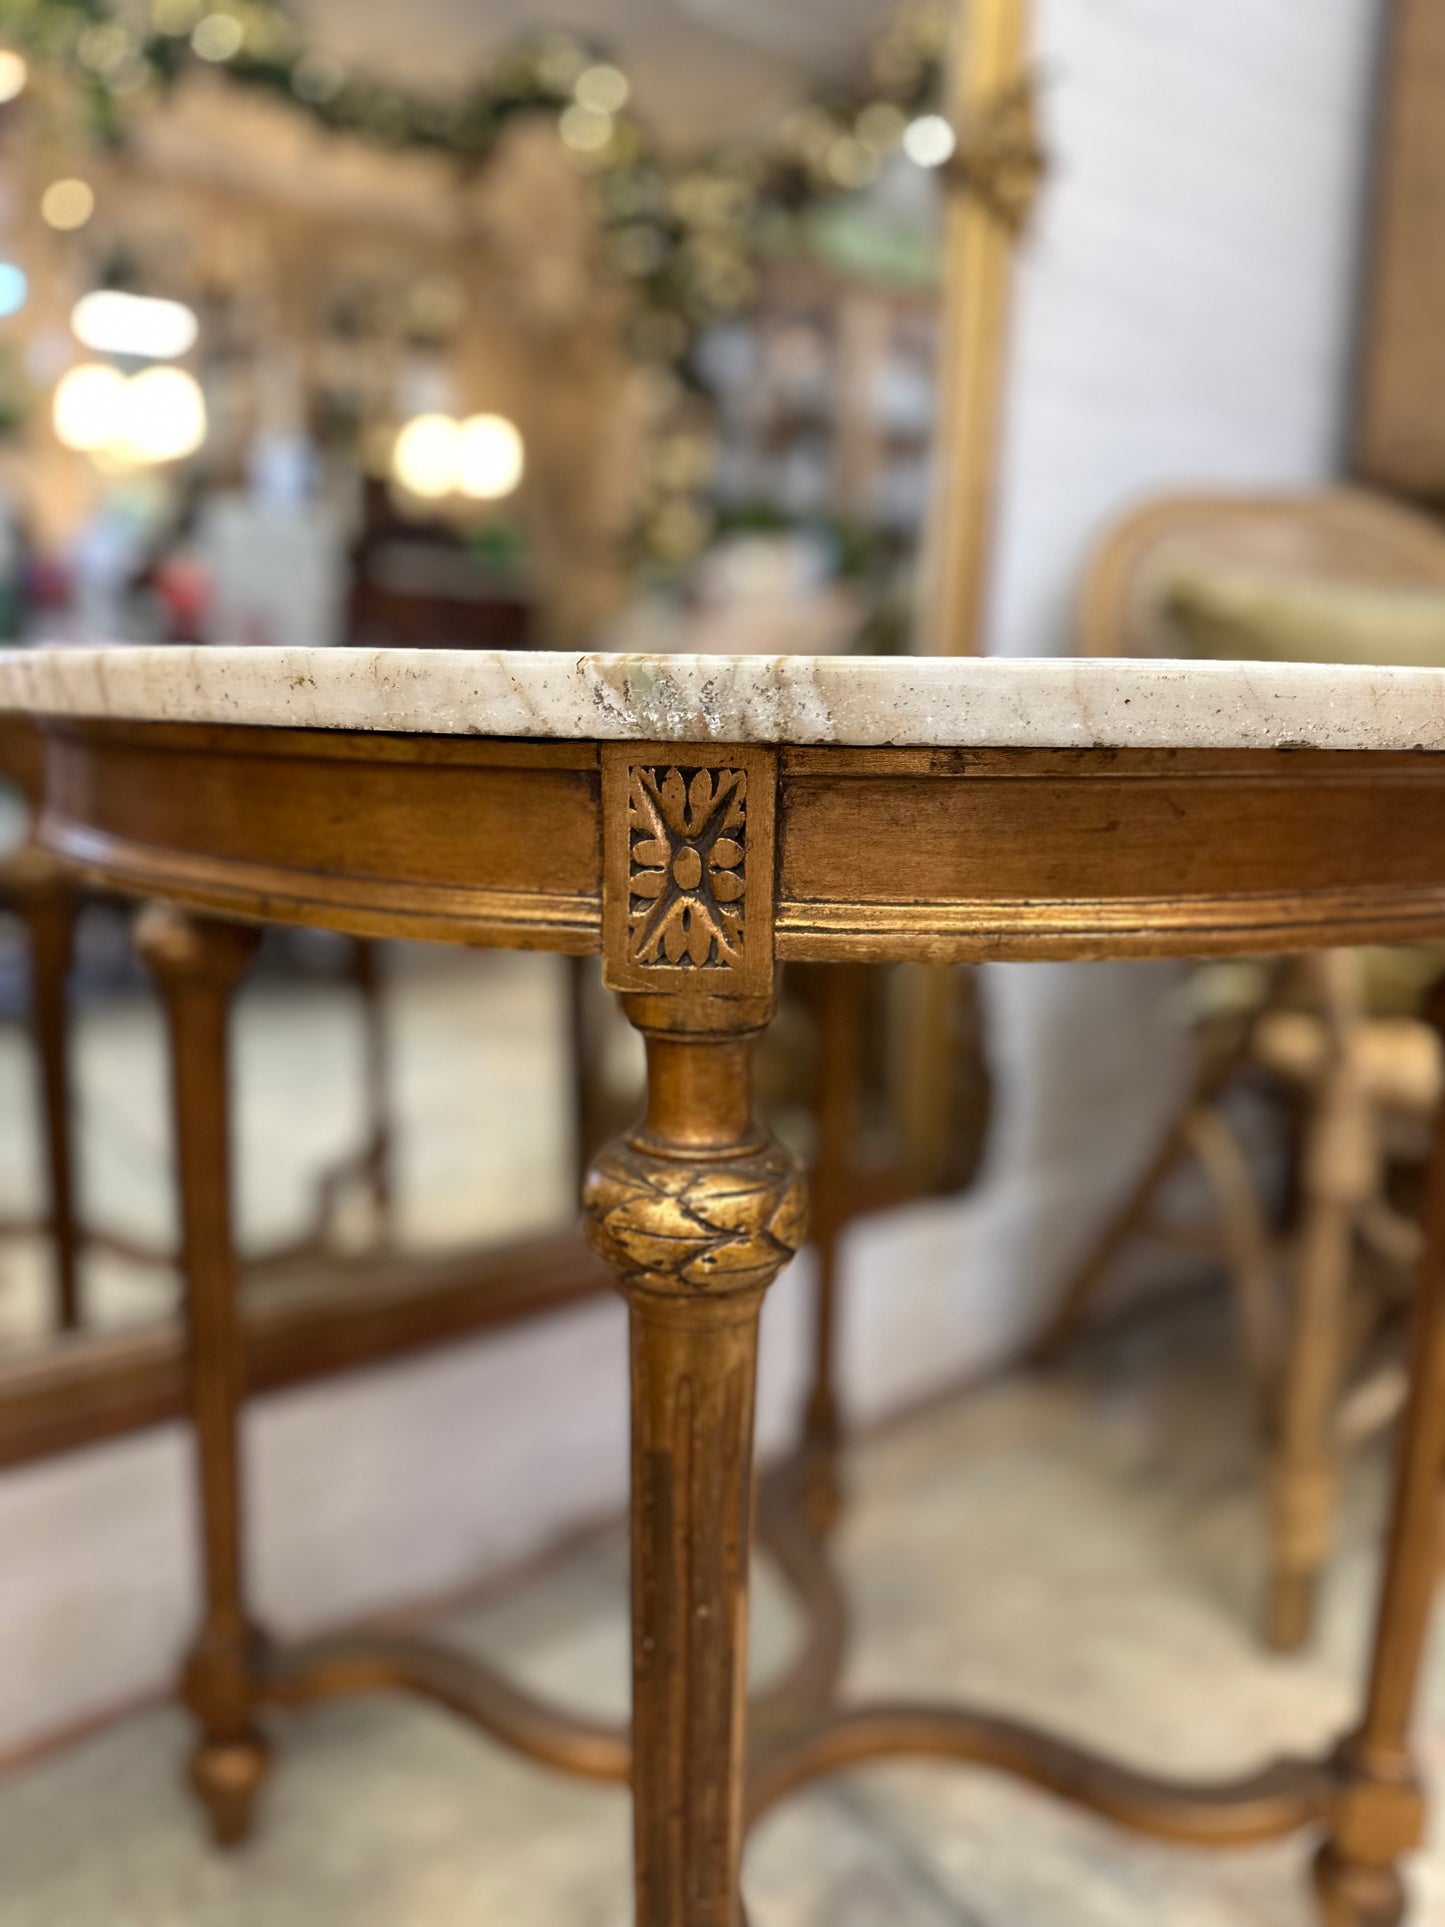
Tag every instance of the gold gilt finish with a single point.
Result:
(745, 856)
(995, 176)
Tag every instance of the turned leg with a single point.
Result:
(47, 903)
(1380, 1813)
(1337, 1181)
(197, 964)
(697, 1212)
(841, 1016)
(584, 1067)
(371, 987)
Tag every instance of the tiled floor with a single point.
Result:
(1086, 1549)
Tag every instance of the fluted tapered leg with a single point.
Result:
(697, 1212)
(197, 963)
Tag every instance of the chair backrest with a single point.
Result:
(1400, 418)
(1341, 534)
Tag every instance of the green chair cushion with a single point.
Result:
(1233, 615)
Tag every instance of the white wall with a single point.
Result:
(1186, 308)
(1184, 317)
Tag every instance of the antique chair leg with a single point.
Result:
(197, 964)
(371, 987)
(697, 1212)
(48, 905)
(1066, 1320)
(1380, 1814)
(1337, 1182)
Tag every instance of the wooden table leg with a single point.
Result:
(697, 1212)
(842, 991)
(197, 964)
(48, 906)
(370, 979)
(1380, 1814)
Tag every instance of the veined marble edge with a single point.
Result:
(863, 702)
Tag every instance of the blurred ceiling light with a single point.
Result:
(163, 417)
(490, 458)
(114, 323)
(159, 416)
(604, 88)
(13, 75)
(14, 288)
(425, 458)
(586, 130)
(89, 407)
(67, 204)
(218, 37)
(930, 141)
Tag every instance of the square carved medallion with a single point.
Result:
(688, 865)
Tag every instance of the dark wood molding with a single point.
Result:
(311, 1323)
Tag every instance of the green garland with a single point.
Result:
(688, 237)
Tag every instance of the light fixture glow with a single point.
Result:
(13, 74)
(89, 407)
(67, 204)
(930, 141)
(14, 288)
(164, 417)
(113, 323)
(218, 37)
(425, 458)
(158, 416)
(490, 458)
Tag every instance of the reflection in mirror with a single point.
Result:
(281, 362)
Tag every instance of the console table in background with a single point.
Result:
(699, 821)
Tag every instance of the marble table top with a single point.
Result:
(922, 702)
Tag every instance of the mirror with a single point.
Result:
(283, 362)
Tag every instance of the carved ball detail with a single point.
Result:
(665, 1224)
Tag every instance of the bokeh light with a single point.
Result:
(158, 416)
(930, 141)
(604, 88)
(164, 417)
(67, 204)
(14, 288)
(218, 37)
(425, 458)
(89, 407)
(490, 458)
(115, 323)
(586, 130)
(13, 74)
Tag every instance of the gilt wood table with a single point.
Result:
(699, 822)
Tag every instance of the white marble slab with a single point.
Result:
(910, 701)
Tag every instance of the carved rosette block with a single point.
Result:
(666, 1225)
(688, 869)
